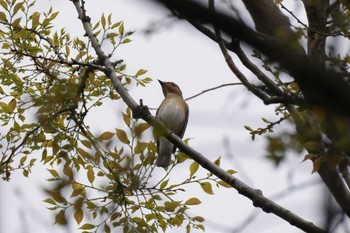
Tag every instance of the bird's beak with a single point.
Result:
(161, 82)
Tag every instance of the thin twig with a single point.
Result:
(212, 89)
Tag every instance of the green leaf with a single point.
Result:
(193, 168)
(78, 215)
(106, 135)
(193, 201)
(206, 186)
(122, 136)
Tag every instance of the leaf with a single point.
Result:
(121, 29)
(83, 153)
(107, 229)
(17, 7)
(126, 119)
(91, 175)
(50, 201)
(78, 215)
(60, 218)
(316, 164)
(217, 161)
(171, 206)
(2, 16)
(193, 168)
(231, 171)
(206, 186)
(224, 184)
(16, 22)
(106, 135)
(198, 219)
(122, 136)
(141, 72)
(193, 201)
(86, 143)
(12, 105)
(53, 172)
(103, 21)
(87, 226)
(140, 128)
(164, 184)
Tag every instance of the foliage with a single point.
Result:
(50, 82)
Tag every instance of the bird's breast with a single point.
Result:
(172, 112)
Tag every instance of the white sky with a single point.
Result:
(183, 55)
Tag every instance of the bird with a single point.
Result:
(173, 113)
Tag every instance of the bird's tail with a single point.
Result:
(165, 148)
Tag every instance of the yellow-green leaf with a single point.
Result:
(103, 21)
(60, 218)
(164, 184)
(141, 72)
(126, 119)
(91, 175)
(122, 136)
(171, 206)
(206, 186)
(87, 226)
(17, 7)
(193, 168)
(53, 172)
(217, 161)
(198, 219)
(2, 16)
(121, 29)
(231, 171)
(106, 135)
(83, 153)
(78, 215)
(224, 184)
(140, 128)
(12, 105)
(107, 229)
(193, 201)
(16, 22)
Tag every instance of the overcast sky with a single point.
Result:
(180, 54)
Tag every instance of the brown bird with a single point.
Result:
(173, 113)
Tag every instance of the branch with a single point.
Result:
(255, 195)
(313, 81)
(212, 89)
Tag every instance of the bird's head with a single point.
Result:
(170, 87)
